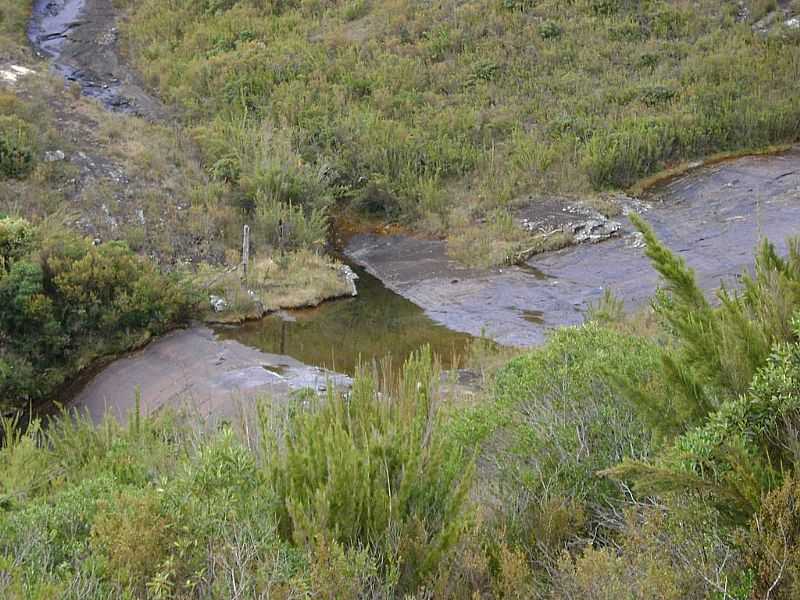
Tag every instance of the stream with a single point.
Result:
(410, 292)
(337, 335)
(80, 39)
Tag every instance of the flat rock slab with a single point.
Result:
(714, 217)
(192, 369)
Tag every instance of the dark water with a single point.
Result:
(51, 23)
(337, 334)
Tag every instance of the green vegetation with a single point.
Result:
(66, 303)
(439, 115)
(69, 301)
(16, 151)
(292, 280)
(602, 465)
(164, 508)
(616, 461)
(14, 15)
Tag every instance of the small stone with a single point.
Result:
(54, 156)
(218, 303)
(350, 277)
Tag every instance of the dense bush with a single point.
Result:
(373, 471)
(774, 553)
(67, 302)
(731, 379)
(16, 147)
(556, 421)
(356, 496)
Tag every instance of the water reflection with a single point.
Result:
(336, 334)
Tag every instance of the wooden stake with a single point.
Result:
(245, 250)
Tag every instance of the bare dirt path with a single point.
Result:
(713, 217)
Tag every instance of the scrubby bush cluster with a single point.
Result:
(65, 302)
(16, 147)
(424, 112)
(353, 496)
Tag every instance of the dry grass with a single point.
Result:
(296, 280)
(641, 186)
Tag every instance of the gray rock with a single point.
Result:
(596, 230)
(218, 303)
(351, 277)
(54, 156)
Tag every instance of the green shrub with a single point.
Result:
(16, 147)
(773, 551)
(682, 552)
(286, 226)
(67, 302)
(732, 380)
(17, 238)
(719, 349)
(372, 470)
(131, 535)
(555, 420)
(569, 420)
(550, 30)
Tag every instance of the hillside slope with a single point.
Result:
(438, 114)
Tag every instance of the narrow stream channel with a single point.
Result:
(214, 370)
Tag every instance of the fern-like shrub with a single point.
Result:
(371, 470)
(730, 397)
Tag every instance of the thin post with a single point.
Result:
(245, 250)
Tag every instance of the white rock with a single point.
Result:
(218, 303)
(11, 73)
(54, 156)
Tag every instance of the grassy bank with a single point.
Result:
(438, 115)
(300, 279)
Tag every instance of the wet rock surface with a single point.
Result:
(81, 37)
(191, 369)
(713, 217)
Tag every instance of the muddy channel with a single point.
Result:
(411, 292)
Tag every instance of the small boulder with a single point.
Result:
(218, 303)
(54, 156)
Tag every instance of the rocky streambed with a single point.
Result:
(713, 216)
(81, 39)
